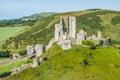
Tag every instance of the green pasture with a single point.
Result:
(7, 32)
(11, 66)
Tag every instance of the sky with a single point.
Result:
(10, 9)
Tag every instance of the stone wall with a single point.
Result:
(66, 44)
(30, 50)
(16, 56)
(58, 32)
(50, 44)
(35, 62)
(82, 35)
(72, 27)
(39, 49)
(19, 69)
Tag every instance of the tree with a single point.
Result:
(100, 42)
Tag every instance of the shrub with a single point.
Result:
(5, 53)
(86, 42)
(5, 74)
(115, 20)
(85, 62)
(45, 58)
(23, 52)
(118, 47)
(29, 60)
(101, 42)
(92, 46)
(113, 42)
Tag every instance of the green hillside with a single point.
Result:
(77, 63)
(25, 21)
(106, 21)
(7, 32)
(38, 16)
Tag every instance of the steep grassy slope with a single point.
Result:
(77, 63)
(7, 32)
(108, 22)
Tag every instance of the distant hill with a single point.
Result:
(37, 16)
(25, 21)
(106, 21)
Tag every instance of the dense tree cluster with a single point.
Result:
(16, 22)
(5, 74)
(5, 53)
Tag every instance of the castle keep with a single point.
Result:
(66, 29)
(65, 33)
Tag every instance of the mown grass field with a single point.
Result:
(104, 64)
(11, 66)
(7, 32)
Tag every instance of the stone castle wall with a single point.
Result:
(72, 27)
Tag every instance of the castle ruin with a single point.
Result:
(65, 33)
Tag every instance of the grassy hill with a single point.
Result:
(7, 32)
(78, 63)
(106, 21)
(25, 21)
(38, 16)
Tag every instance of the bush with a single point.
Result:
(115, 20)
(5, 53)
(5, 74)
(85, 62)
(45, 58)
(86, 42)
(23, 52)
(118, 47)
(29, 60)
(101, 42)
(92, 46)
(113, 42)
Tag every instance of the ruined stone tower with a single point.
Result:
(65, 23)
(65, 31)
(39, 49)
(58, 32)
(72, 27)
(66, 28)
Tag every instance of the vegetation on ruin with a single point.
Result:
(78, 63)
